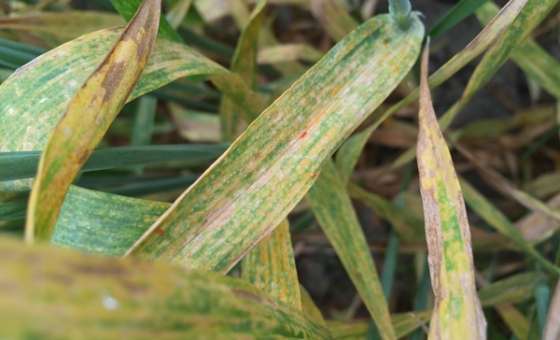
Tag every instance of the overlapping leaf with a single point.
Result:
(88, 117)
(53, 293)
(269, 168)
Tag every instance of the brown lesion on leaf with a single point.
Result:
(113, 79)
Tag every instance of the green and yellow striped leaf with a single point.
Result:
(269, 168)
(457, 307)
(89, 115)
(54, 293)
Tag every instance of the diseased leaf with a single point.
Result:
(456, 308)
(532, 58)
(89, 115)
(269, 168)
(532, 14)
(333, 210)
(270, 266)
(55, 28)
(107, 298)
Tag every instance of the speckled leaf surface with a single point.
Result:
(90, 222)
(333, 209)
(457, 308)
(54, 28)
(87, 118)
(35, 97)
(271, 267)
(269, 168)
(53, 293)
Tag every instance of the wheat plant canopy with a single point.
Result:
(269, 168)
(52, 293)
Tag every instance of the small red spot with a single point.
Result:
(315, 175)
(302, 135)
(159, 231)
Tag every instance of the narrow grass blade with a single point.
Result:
(534, 12)
(276, 160)
(88, 117)
(178, 12)
(54, 28)
(404, 323)
(270, 266)
(456, 14)
(516, 321)
(334, 18)
(23, 164)
(537, 227)
(89, 221)
(127, 8)
(244, 63)
(492, 31)
(349, 153)
(457, 307)
(500, 183)
(500, 222)
(406, 225)
(143, 127)
(309, 308)
(333, 209)
(512, 290)
(107, 298)
(288, 53)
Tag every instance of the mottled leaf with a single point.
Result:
(270, 266)
(87, 118)
(55, 28)
(457, 307)
(53, 293)
(269, 168)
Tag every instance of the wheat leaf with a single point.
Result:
(457, 307)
